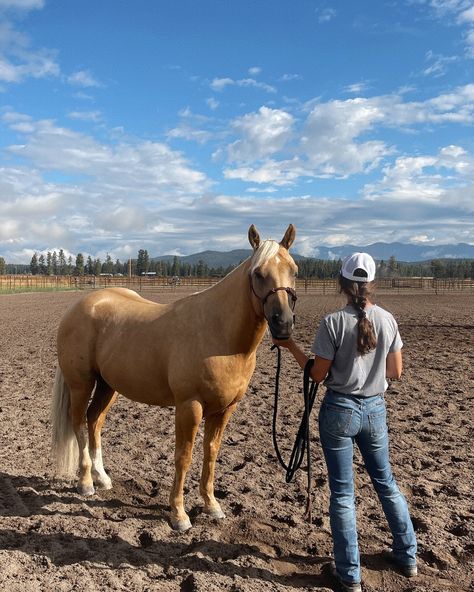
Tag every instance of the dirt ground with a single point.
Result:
(51, 538)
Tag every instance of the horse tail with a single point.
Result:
(64, 444)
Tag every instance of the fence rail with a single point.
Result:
(13, 283)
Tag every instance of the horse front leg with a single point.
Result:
(187, 419)
(213, 433)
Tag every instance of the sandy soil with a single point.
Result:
(51, 538)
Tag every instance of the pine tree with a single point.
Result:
(108, 266)
(41, 265)
(61, 263)
(34, 267)
(54, 263)
(49, 263)
(96, 267)
(3, 266)
(89, 266)
(79, 268)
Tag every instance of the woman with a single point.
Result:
(356, 349)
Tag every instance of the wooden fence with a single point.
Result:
(14, 283)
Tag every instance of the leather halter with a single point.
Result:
(290, 291)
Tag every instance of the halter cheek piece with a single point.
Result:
(290, 291)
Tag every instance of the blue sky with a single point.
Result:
(173, 126)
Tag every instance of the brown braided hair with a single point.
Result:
(359, 293)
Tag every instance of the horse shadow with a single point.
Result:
(27, 496)
(30, 496)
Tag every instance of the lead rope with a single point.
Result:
(302, 441)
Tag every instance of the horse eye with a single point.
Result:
(259, 275)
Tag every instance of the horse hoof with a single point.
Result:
(103, 483)
(181, 525)
(215, 513)
(86, 490)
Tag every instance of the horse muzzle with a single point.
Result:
(281, 325)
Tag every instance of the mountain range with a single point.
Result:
(379, 251)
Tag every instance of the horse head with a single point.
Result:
(272, 281)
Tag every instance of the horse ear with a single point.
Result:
(254, 237)
(289, 237)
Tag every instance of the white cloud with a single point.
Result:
(141, 168)
(219, 84)
(271, 171)
(193, 127)
(187, 132)
(326, 14)
(255, 71)
(21, 4)
(262, 134)
(421, 238)
(85, 115)
(18, 61)
(330, 142)
(329, 134)
(212, 103)
(83, 78)
(356, 88)
(420, 178)
(289, 77)
(438, 64)
(467, 16)
(460, 12)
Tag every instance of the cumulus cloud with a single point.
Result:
(255, 70)
(85, 115)
(21, 4)
(219, 84)
(326, 14)
(212, 103)
(140, 167)
(121, 189)
(356, 88)
(419, 178)
(261, 134)
(19, 61)
(330, 140)
(438, 64)
(83, 78)
(460, 12)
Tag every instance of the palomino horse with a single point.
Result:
(197, 354)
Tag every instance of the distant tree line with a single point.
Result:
(56, 263)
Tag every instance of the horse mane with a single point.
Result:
(267, 250)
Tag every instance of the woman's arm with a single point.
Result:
(394, 365)
(321, 365)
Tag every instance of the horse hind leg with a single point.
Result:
(103, 399)
(80, 396)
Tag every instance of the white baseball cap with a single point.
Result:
(356, 262)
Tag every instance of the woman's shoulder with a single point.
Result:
(382, 313)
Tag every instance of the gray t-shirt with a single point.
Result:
(352, 373)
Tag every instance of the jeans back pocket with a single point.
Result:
(335, 420)
(378, 423)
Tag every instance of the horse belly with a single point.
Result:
(139, 374)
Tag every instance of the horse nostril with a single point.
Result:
(276, 318)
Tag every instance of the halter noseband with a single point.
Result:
(290, 291)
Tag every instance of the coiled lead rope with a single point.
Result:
(302, 442)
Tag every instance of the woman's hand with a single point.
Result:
(286, 343)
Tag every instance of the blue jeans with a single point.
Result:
(343, 420)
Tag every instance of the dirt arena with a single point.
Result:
(52, 539)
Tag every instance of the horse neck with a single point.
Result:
(232, 300)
